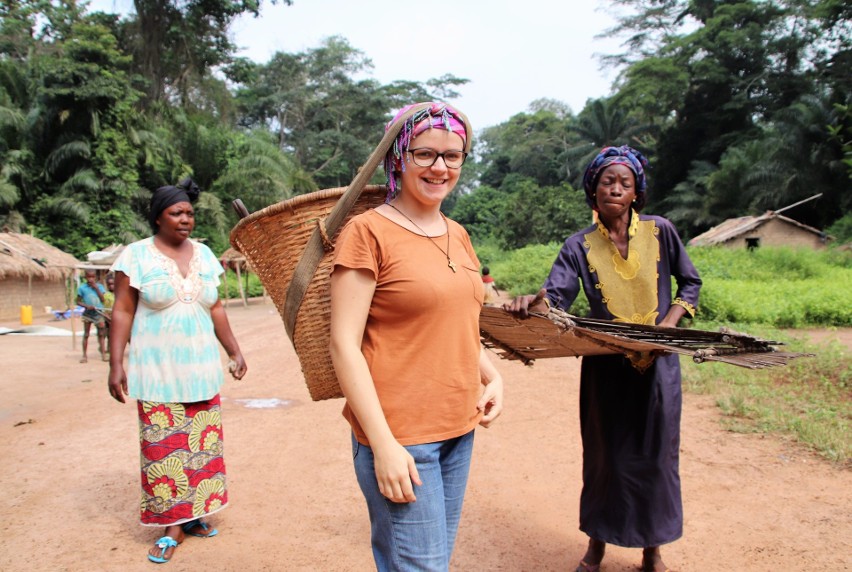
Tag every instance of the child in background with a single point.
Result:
(90, 295)
(490, 290)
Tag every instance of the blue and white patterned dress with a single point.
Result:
(174, 353)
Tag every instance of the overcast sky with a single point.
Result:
(512, 51)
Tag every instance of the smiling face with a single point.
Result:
(430, 185)
(176, 222)
(615, 191)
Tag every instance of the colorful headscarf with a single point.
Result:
(437, 116)
(184, 192)
(623, 155)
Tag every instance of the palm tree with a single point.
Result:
(261, 174)
(601, 124)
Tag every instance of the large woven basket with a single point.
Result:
(273, 240)
(291, 245)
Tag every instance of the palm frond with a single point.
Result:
(73, 151)
(9, 194)
(84, 180)
(11, 117)
(65, 207)
(13, 221)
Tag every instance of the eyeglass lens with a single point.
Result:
(425, 157)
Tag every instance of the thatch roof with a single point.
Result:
(233, 258)
(736, 227)
(24, 255)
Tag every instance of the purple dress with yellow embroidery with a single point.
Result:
(629, 412)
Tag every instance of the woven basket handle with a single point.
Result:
(314, 251)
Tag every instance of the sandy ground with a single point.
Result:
(70, 462)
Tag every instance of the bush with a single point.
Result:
(523, 271)
(255, 288)
(841, 230)
(780, 287)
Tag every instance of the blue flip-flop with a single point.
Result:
(163, 544)
(189, 526)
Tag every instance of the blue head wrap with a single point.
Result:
(624, 155)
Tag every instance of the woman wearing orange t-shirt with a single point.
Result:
(405, 302)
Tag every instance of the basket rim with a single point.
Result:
(297, 201)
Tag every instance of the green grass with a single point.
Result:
(809, 400)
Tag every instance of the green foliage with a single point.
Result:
(841, 230)
(530, 146)
(250, 283)
(539, 215)
(479, 211)
(523, 271)
(602, 123)
(780, 287)
(320, 113)
(809, 399)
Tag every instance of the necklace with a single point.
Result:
(450, 263)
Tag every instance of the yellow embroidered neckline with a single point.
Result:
(626, 267)
(631, 229)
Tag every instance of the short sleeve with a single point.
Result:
(210, 263)
(128, 262)
(357, 247)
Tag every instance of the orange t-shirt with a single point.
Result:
(421, 340)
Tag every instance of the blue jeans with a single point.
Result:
(419, 535)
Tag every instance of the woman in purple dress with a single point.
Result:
(629, 407)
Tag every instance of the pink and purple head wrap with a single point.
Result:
(624, 155)
(437, 116)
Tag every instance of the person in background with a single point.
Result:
(109, 300)
(405, 302)
(90, 295)
(167, 306)
(630, 408)
(489, 286)
(109, 295)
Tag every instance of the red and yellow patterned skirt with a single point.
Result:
(183, 471)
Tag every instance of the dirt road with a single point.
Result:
(70, 462)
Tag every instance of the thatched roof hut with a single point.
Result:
(233, 259)
(32, 273)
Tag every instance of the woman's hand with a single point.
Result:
(395, 472)
(491, 402)
(117, 382)
(237, 366)
(523, 305)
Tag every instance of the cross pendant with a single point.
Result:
(451, 264)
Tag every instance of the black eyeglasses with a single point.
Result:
(425, 157)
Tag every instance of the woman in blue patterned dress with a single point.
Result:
(629, 407)
(167, 308)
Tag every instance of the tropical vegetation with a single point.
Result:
(741, 106)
